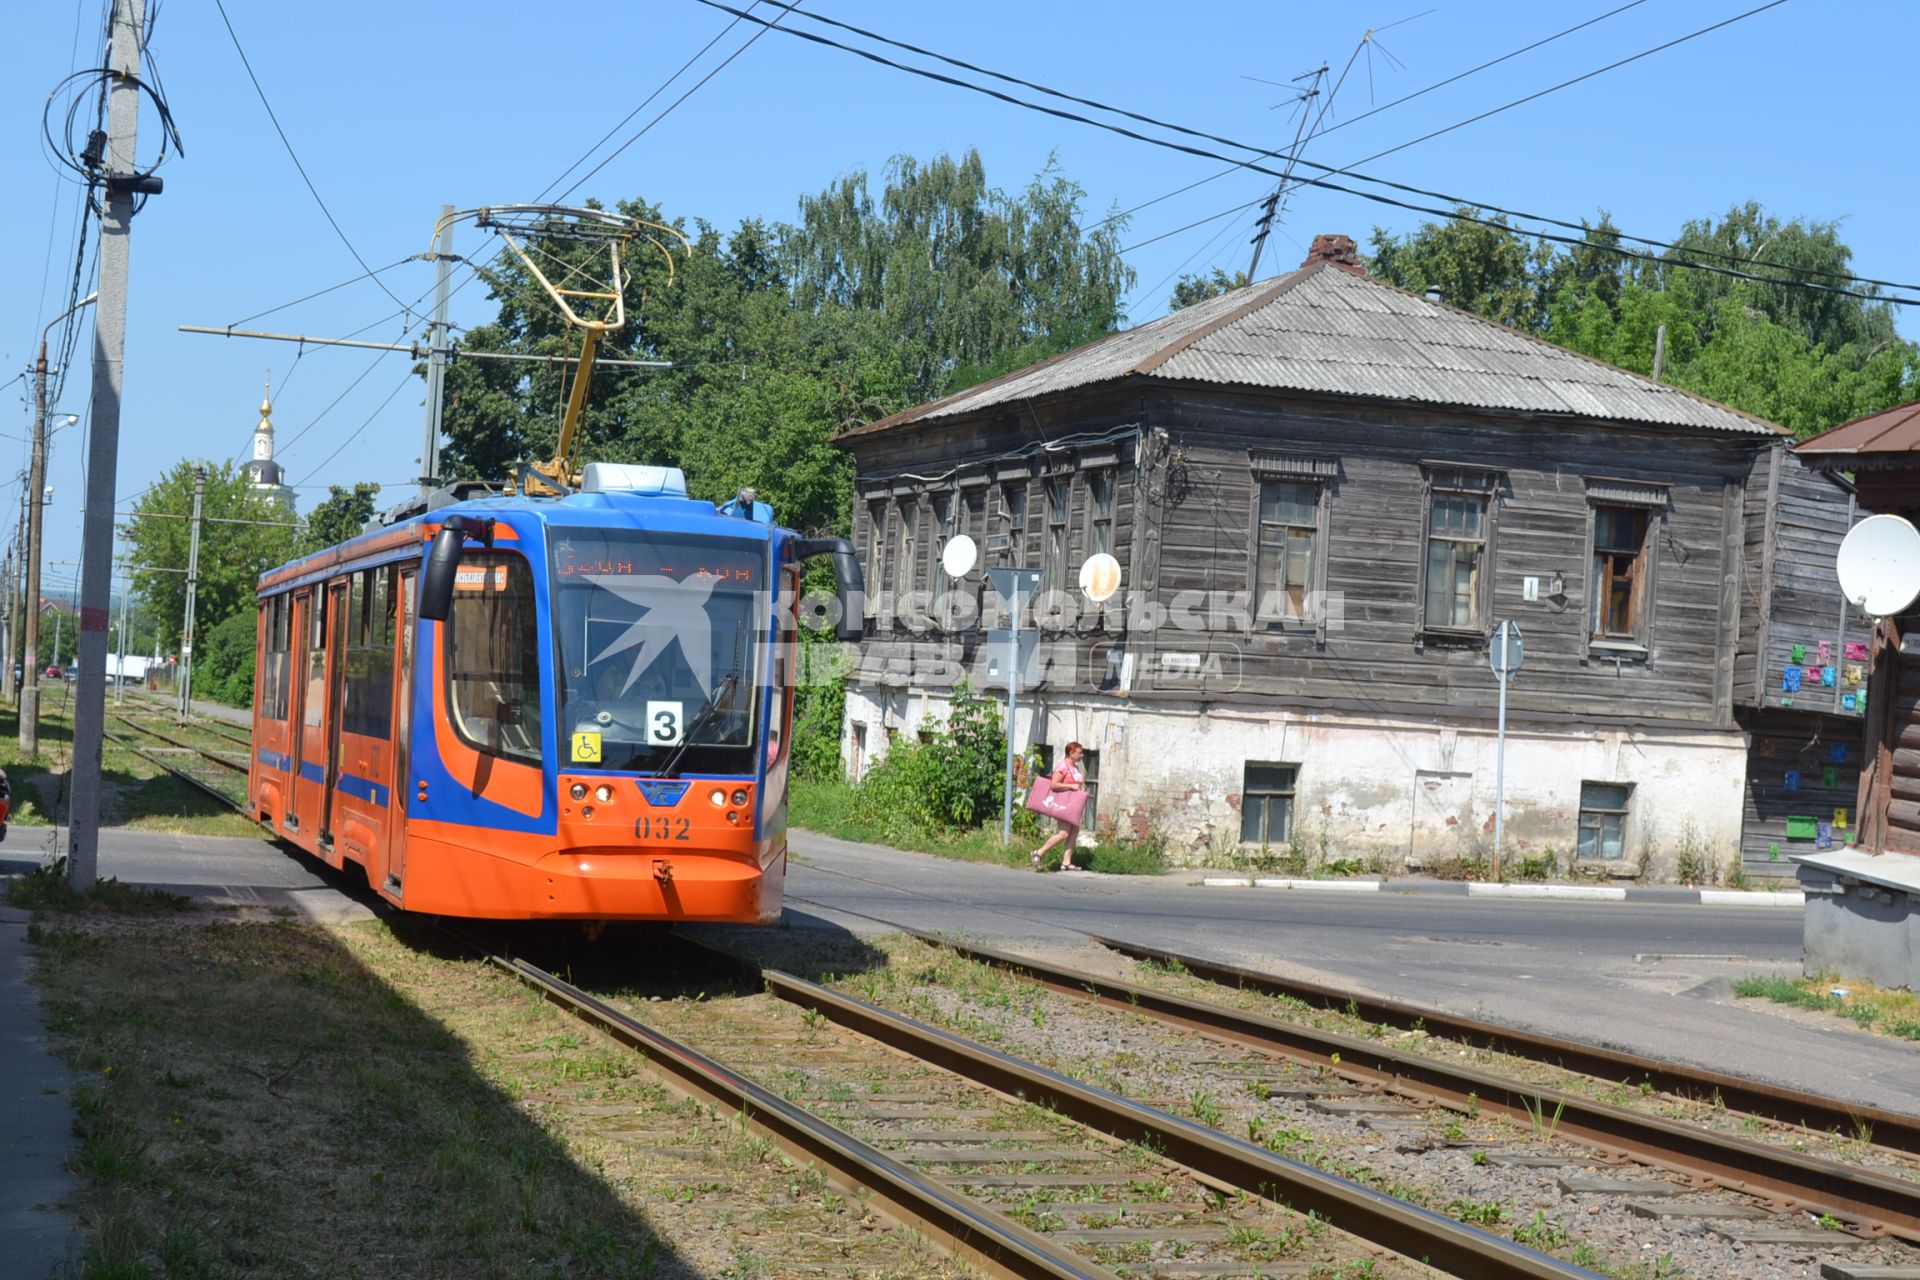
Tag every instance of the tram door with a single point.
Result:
(309, 616)
(402, 734)
(336, 685)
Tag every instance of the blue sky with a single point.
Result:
(398, 108)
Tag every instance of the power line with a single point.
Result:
(765, 27)
(1374, 196)
(405, 379)
(644, 102)
(295, 157)
(365, 275)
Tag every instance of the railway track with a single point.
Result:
(1746, 1194)
(1792, 1107)
(1023, 1170)
(209, 771)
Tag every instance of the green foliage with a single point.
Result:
(232, 555)
(1190, 288)
(819, 706)
(341, 515)
(1803, 358)
(782, 336)
(952, 779)
(223, 666)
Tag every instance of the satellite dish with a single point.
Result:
(959, 555)
(1100, 576)
(1879, 565)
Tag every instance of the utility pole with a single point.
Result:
(36, 503)
(17, 586)
(6, 622)
(443, 260)
(121, 180)
(1280, 187)
(193, 589)
(120, 663)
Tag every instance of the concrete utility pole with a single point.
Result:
(120, 178)
(120, 663)
(36, 503)
(443, 260)
(17, 586)
(193, 590)
(6, 626)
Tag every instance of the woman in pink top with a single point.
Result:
(1067, 777)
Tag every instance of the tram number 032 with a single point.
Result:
(662, 828)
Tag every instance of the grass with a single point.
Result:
(47, 889)
(277, 1099)
(136, 793)
(827, 808)
(1893, 1013)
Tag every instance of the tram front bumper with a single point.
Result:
(594, 883)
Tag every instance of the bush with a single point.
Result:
(223, 670)
(952, 780)
(819, 706)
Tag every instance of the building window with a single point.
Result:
(1054, 567)
(1456, 560)
(1266, 803)
(1619, 573)
(876, 544)
(1289, 529)
(1015, 498)
(1603, 819)
(1100, 512)
(905, 567)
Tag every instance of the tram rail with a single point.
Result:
(1875, 1203)
(1890, 1129)
(995, 1241)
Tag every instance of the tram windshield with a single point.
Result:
(660, 642)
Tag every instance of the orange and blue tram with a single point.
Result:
(544, 708)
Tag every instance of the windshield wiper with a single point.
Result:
(706, 713)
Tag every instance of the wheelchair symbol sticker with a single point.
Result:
(586, 748)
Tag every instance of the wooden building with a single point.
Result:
(1863, 902)
(1323, 493)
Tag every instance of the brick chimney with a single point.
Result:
(1339, 250)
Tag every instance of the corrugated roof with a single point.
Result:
(1895, 430)
(1321, 329)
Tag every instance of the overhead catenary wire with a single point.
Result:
(295, 156)
(1376, 197)
(401, 386)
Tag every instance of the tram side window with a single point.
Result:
(369, 709)
(316, 699)
(277, 667)
(493, 656)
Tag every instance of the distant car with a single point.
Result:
(73, 673)
(55, 673)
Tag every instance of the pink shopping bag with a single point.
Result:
(1067, 806)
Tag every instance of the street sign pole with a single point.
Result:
(1013, 707)
(1012, 585)
(1508, 652)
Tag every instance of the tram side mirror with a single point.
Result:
(443, 562)
(848, 584)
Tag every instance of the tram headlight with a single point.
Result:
(740, 796)
(718, 795)
(578, 791)
(603, 793)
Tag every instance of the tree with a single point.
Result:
(1804, 358)
(341, 515)
(781, 337)
(1190, 288)
(242, 535)
(223, 667)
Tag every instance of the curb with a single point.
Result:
(1589, 892)
(1319, 886)
(1748, 898)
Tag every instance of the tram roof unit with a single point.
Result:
(612, 496)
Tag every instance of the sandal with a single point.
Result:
(1036, 860)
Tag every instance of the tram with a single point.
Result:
(564, 707)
